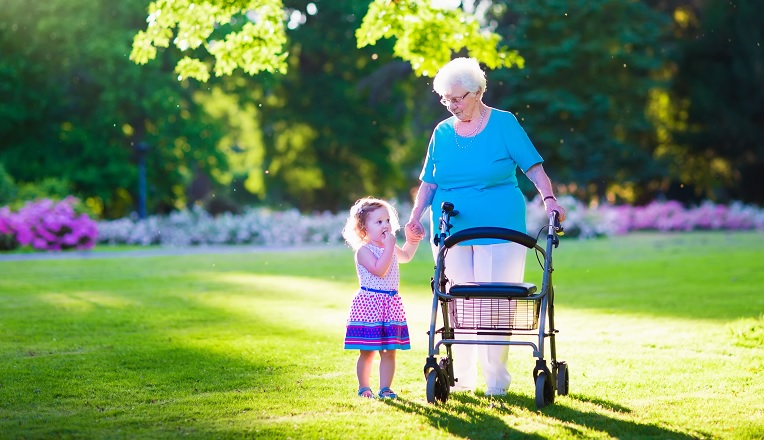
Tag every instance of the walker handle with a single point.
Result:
(554, 222)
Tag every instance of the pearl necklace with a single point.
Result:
(472, 135)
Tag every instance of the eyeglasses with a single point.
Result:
(456, 100)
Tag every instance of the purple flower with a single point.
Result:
(48, 225)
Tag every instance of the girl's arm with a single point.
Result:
(406, 253)
(377, 266)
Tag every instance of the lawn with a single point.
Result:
(663, 333)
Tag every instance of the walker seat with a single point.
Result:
(492, 290)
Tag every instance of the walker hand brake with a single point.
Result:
(445, 221)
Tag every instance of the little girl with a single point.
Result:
(377, 320)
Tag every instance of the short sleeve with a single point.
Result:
(519, 145)
(428, 169)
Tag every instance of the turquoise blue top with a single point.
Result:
(480, 179)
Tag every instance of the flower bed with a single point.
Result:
(48, 225)
(263, 226)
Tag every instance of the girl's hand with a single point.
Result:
(388, 239)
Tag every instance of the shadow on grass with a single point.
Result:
(474, 415)
(610, 406)
(614, 426)
(467, 416)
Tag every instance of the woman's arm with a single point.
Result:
(422, 201)
(406, 253)
(538, 176)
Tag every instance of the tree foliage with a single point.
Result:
(721, 77)
(73, 105)
(246, 34)
(341, 121)
(250, 34)
(329, 130)
(583, 94)
(427, 35)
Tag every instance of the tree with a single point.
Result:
(583, 94)
(718, 146)
(250, 34)
(330, 131)
(73, 105)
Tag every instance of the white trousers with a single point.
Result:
(503, 262)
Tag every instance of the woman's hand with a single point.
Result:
(552, 205)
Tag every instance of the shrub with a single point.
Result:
(260, 226)
(8, 188)
(7, 237)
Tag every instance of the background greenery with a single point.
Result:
(663, 334)
(626, 101)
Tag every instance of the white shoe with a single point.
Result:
(490, 391)
(461, 389)
(496, 392)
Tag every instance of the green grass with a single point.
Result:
(663, 335)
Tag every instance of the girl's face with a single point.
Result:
(377, 225)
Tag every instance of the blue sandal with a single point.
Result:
(364, 390)
(387, 393)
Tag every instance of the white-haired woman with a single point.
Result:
(471, 161)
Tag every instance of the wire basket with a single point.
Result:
(494, 314)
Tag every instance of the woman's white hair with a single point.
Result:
(465, 72)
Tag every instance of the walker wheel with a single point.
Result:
(437, 387)
(562, 378)
(544, 391)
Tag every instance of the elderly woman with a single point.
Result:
(472, 161)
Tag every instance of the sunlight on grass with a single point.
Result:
(288, 300)
(748, 332)
(84, 301)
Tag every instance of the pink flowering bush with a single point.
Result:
(49, 225)
(672, 216)
(663, 216)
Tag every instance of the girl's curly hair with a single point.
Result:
(354, 231)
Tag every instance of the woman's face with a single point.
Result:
(461, 103)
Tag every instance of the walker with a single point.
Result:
(504, 309)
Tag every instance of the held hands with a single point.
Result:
(414, 232)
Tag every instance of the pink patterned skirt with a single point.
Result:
(377, 321)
